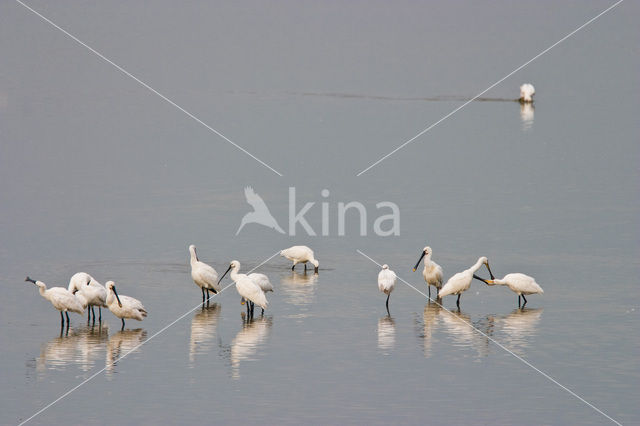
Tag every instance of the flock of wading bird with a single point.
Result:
(520, 284)
(85, 292)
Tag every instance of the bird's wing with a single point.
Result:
(254, 199)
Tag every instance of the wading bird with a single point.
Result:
(203, 275)
(432, 272)
(61, 299)
(520, 284)
(526, 93)
(246, 287)
(262, 280)
(124, 306)
(93, 292)
(300, 254)
(386, 282)
(460, 282)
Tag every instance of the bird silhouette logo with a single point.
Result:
(260, 214)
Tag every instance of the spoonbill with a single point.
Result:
(460, 282)
(526, 93)
(300, 254)
(520, 284)
(386, 282)
(124, 306)
(61, 299)
(203, 275)
(432, 272)
(93, 292)
(247, 288)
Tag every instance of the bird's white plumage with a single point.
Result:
(526, 92)
(203, 275)
(61, 298)
(386, 280)
(246, 287)
(131, 307)
(432, 272)
(300, 254)
(461, 281)
(262, 280)
(90, 288)
(519, 284)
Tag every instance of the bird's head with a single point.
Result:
(425, 252)
(111, 286)
(316, 264)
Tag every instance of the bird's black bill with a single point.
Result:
(117, 297)
(315, 271)
(30, 280)
(225, 273)
(418, 262)
(490, 273)
(480, 278)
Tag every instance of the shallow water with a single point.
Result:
(99, 175)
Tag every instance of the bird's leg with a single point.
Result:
(518, 301)
(100, 314)
(293, 267)
(202, 288)
(387, 304)
(262, 313)
(67, 315)
(429, 287)
(93, 312)
(61, 321)
(305, 266)
(88, 315)
(525, 300)
(437, 293)
(458, 301)
(122, 319)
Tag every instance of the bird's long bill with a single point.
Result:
(29, 280)
(481, 279)
(490, 273)
(225, 273)
(418, 262)
(117, 297)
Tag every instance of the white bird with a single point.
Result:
(61, 299)
(520, 284)
(300, 254)
(260, 213)
(262, 280)
(460, 282)
(246, 287)
(124, 306)
(92, 290)
(432, 272)
(386, 282)
(203, 275)
(526, 93)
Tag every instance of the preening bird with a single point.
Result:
(386, 282)
(526, 93)
(520, 284)
(460, 282)
(432, 272)
(246, 287)
(203, 275)
(300, 254)
(124, 306)
(61, 299)
(91, 290)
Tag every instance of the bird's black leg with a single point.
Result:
(67, 315)
(293, 267)
(202, 288)
(429, 287)
(518, 301)
(387, 304)
(100, 314)
(93, 312)
(262, 313)
(122, 324)
(525, 300)
(458, 302)
(61, 320)
(88, 315)
(305, 266)
(437, 293)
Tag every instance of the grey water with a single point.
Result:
(98, 174)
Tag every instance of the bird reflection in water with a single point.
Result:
(204, 325)
(430, 318)
(386, 334)
(75, 346)
(253, 335)
(458, 326)
(121, 344)
(526, 115)
(517, 329)
(299, 288)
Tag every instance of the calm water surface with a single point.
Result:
(99, 175)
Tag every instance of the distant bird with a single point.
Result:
(460, 282)
(520, 284)
(124, 306)
(386, 282)
(246, 287)
(262, 280)
(93, 292)
(432, 272)
(300, 254)
(61, 299)
(526, 93)
(260, 214)
(203, 275)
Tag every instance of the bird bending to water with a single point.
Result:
(61, 299)
(460, 282)
(203, 275)
(246, 287)
(124, 306)
(432, 272)
(520, 284)
(93, 292)
(526, 93)
(300, 254)
(386, 282)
